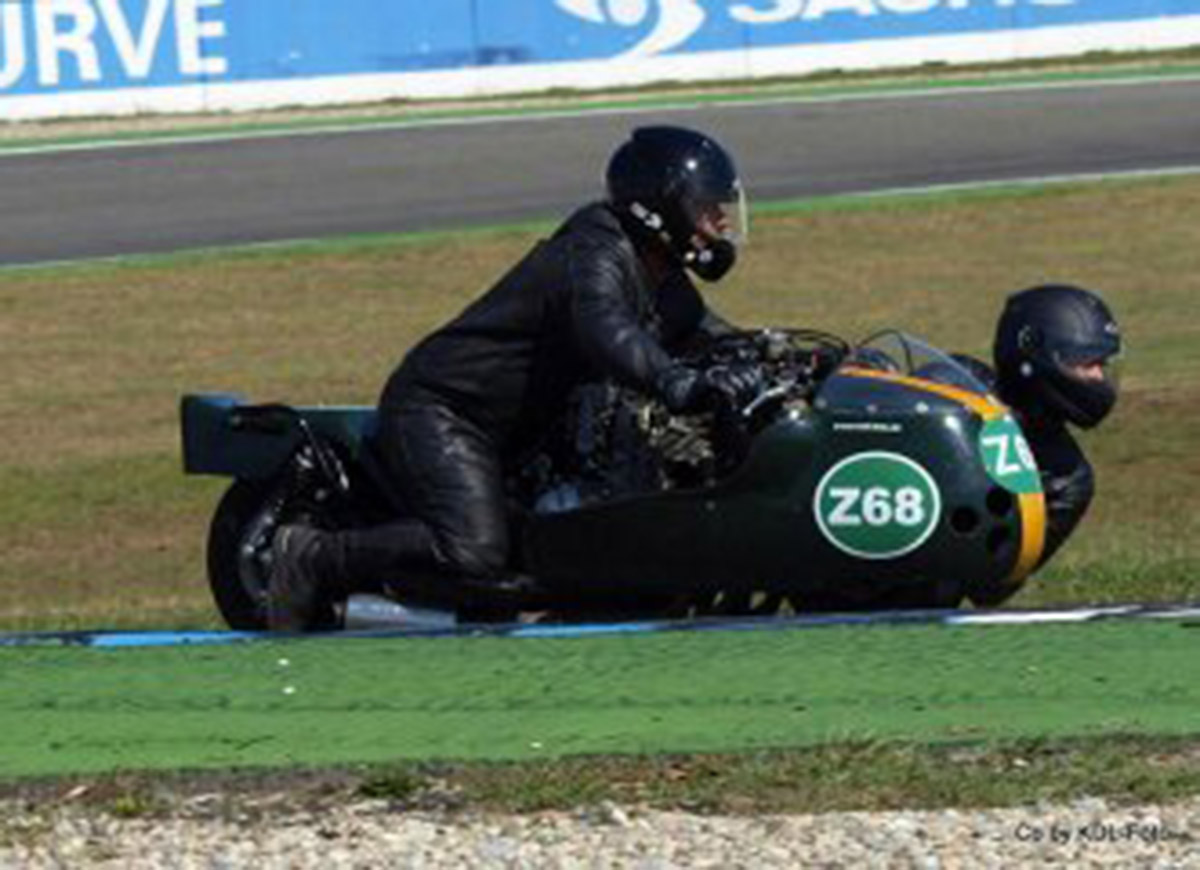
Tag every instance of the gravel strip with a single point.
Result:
(1089, 833)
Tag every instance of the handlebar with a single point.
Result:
(779, 392)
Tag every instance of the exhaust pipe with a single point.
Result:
(375, 611)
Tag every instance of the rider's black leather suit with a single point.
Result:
(473, 396)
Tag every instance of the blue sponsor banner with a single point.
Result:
(57, 46)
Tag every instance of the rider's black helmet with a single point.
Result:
(682, 188)
(1046, 340)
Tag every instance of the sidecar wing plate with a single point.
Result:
(225, 436)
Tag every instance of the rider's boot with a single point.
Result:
(304, 580)
(313, 569)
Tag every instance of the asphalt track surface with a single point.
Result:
(63, 205)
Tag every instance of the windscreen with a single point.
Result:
(904, 354)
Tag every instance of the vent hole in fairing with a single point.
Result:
(964, 520)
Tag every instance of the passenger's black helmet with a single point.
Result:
(682, 188)
(1044, 338)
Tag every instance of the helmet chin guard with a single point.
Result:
(714, 261)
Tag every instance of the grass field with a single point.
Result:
(100, 528)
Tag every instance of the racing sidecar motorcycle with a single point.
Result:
(879, 476)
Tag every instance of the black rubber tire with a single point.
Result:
(239, 606)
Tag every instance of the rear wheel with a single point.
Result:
(239, 552)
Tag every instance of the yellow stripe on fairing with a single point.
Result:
(983, 405)
(1032, 507)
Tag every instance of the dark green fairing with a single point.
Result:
(757, 530)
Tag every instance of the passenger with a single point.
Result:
(1055, 356)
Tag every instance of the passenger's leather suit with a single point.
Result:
(1067, 477)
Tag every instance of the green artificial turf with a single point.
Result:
(340, 701)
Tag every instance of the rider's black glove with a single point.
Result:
(689, 391)
(738, 384)
(683, 389)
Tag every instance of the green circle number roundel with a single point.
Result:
(877, 505)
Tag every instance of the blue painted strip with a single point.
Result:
(118, 639)
(584, 630)
(171, 638)
(950, 618)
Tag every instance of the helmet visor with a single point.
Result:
(725, 219)
(1098, 365)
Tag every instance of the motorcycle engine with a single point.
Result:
(614, 442)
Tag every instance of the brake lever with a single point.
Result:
(767, 396)
(777, 392)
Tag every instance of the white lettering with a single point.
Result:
(775, 11)
(76, 39)
(910, 506)
(588, 10)
(779, 11)
(628, 13)
(136, 53)
(846, 497)
(1001, 444)
(877, 506)
(13, 45)
(820, 8)
(191, 30)
(1024, 453)
(908, 7)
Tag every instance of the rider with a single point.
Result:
(1054, 354)
(607, 296)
